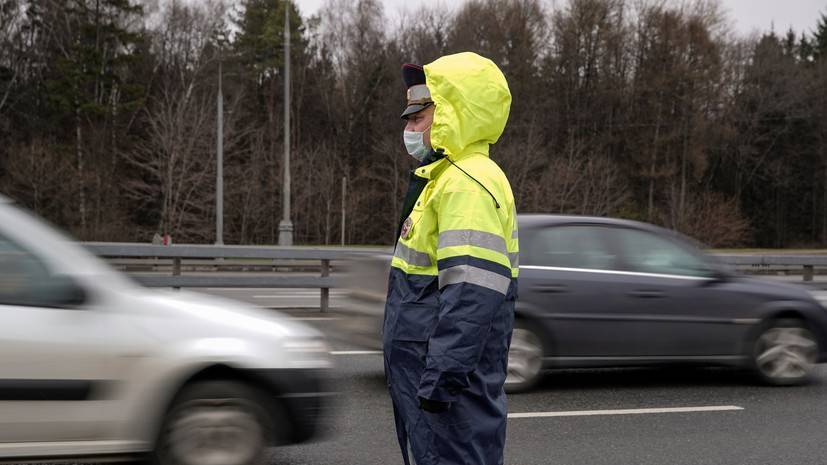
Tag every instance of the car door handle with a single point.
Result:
(550, 288)
(647, 294)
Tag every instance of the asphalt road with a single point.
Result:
(776, 425)
(276, 298)
(597, 417)
(589, 417)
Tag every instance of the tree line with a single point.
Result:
(651, 110)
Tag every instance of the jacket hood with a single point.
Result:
(472, 103)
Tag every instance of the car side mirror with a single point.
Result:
(718, 275)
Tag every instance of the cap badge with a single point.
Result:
(406, 228)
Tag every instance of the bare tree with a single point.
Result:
(176, 158)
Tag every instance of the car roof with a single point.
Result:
(539, 220)
(542, 219)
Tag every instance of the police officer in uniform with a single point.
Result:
(453, 280)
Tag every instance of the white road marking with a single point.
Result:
(287, 308)
(316, 318)
(291, 296)
(638, 411)
(356, 352)
(266, 289)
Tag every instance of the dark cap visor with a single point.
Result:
(415, 108)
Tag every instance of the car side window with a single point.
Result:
(582, 247)
(646, 252)
(24, 280)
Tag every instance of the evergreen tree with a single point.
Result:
(260, 38)
(89, 47)
(805, 49)
(819, 43)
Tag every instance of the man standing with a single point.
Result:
(453, 280)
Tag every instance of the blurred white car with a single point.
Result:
(93, 365)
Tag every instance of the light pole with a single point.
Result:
(286, 226)
(219, 176)
(344, 212)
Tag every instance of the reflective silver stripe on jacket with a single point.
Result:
(473, 275)
(514, 257)
(481, 239)
(411, 256)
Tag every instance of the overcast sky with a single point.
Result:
(748, 15)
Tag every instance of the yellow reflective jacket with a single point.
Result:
(453, 281)
(467, 207)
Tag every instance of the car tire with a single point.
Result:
(785, 353)
(215, 423)
(525, 358)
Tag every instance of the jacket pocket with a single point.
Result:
(415, 322)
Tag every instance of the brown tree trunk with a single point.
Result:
(81, 170)
(824, 208)
(653, 167)
(682, 200)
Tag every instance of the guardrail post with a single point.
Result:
(325, 291)
(808, 273)
(176, 269)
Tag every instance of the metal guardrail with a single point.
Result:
(808, 262)
(123, 249)
(177, 253)
(324, 282)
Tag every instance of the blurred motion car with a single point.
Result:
(93, 365)
(602, 292)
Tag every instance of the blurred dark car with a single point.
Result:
(602, 292)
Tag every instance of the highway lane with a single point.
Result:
(771, 426)
(592, 417)
(277, 298)
(310, 298)
(589, 417)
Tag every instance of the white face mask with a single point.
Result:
(415, 144)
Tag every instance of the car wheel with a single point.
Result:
(214, 423)
(525, 358)
(785, 353)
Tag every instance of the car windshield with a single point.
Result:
(51, 245)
